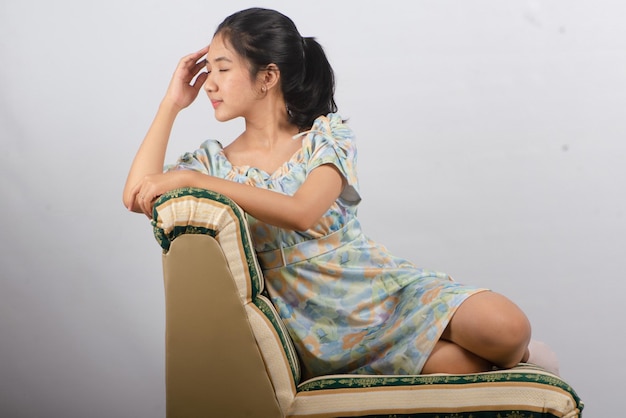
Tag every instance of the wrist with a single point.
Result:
(169, 106)
(198, 180)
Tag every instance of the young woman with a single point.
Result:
(349, 305)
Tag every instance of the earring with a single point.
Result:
(263, 89)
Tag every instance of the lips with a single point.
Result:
(215, 103)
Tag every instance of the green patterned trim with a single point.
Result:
(522, 373)
(165, 240)
(269, 311)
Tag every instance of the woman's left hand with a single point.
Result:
(145, 193)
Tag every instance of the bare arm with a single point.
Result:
(180, 94)
(298, 212)
(146, 180)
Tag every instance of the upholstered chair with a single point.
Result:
(229, 355)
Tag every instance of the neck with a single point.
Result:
(269, 125)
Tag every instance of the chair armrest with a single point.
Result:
(198, 211)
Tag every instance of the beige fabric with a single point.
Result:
(213, 365)
(274, 356)
(230, 233)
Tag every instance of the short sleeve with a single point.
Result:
(205, 159)
(331, 141)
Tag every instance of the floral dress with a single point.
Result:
(349, 305)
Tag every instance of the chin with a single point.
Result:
(223, 117)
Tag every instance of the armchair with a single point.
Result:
(229, 355)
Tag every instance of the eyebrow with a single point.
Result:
(220, 59)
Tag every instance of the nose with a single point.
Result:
(209, 85)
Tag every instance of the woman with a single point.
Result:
(349, 305)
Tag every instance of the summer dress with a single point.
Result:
(349, 305)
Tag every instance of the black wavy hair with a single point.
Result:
(265, 36)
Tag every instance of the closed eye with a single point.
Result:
(220, 70)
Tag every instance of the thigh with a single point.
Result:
(448, 357)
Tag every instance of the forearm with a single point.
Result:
(151, 154)
(268, 206)
(298, 212)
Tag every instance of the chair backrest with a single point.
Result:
(178, 217)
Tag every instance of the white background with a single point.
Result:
(491, 139)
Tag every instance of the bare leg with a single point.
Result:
(487, 329)
(448, 357)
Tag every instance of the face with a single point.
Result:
(229, 86)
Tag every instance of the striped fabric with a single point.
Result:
(521, 392)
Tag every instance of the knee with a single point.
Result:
(513, 337)
(498, 321)
(519, 330)
(507, 331)
(491, 326)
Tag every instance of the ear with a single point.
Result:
(270, 77)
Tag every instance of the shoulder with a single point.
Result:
(207, 158)
(334, 125)
(332, 142)
(327, 130)
(330, 133)
(212, 146)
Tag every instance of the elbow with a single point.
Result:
(126, 201)
(303, 222)
(299, 226)
(301, 216)
(129, 202)
(127, 197)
